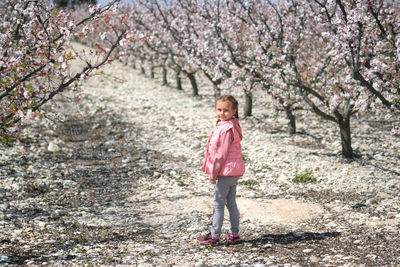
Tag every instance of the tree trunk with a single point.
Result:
(345, 135)
(134, 65)
(164, 75)
(291, 126)
(142, 70)
(195, 88)
(217, 91)
(152, 72)
(178, 79)
(248, 103)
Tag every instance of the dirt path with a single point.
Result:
(122, 186)
(139, 94)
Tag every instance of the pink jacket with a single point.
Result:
(224, 152)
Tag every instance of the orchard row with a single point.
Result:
(336, 57)
(333, 57)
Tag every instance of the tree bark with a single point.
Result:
(152, 72)
(248, 103)
(178, 79)
(217, 91)
(142, 69)
(345, 136)
(291, 126)
(164, 75)
(195, 88)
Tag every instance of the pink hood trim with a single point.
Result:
(235, 124)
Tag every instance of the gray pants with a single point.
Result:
(225, 194)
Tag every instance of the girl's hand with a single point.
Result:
(213, 181)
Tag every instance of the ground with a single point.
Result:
(122, 186)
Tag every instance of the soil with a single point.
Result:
(109, 197)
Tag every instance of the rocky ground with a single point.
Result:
(122, 186)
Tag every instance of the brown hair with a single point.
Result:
(231, 99)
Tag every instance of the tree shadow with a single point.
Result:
(366, 162)
(291, 238)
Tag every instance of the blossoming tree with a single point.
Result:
(35, 54)
(334, 58)
(322, 60)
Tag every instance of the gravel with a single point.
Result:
(122, 185)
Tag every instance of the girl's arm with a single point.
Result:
(223, 146)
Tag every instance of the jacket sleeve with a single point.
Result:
(223, 146)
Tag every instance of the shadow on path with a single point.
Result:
(291, 238)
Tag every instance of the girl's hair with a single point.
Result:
(231, 99)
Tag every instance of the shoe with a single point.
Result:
(233, 239)
(207, 239)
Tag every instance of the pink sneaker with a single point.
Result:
(233, 239)
(207, 239)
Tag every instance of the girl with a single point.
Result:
(225, 165)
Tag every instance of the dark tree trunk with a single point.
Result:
(134, 65)
(345, 136)
(291, 126)
(142, 70)
(343, 120)
(248, 103)
(178, 79)
(152, 72)
(217, 91)
(195, 88)
(164, 75)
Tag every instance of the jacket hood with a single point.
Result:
(237, 127)
(235, 123)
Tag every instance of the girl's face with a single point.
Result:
(224, 110)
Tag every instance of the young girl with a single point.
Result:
(225, 165)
